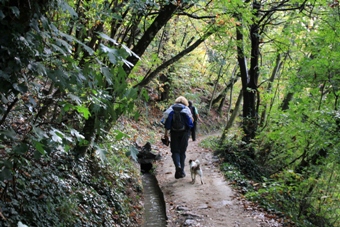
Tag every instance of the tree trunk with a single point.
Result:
(242, 62)
(286, 100)
(163, 17)
(165, 87)
(269, 87)
(249, 82)
(215, 86)
(88, 132)
(230, 85)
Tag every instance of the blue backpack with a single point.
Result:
(178, 119)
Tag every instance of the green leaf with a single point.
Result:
(22, 88)
(56, 135)
(63, 43)
(107, 74)
(10, 134)
(112, 53)
(4, 99)
(120, 135)
(39, 133)
(4, 75)
(130, 52)
(73, 39)
(145, 94)
(102, 154)
(74, 98)
(58, 49)
(66, 7)
(83, 110)
(127, 50)
(133, 151)
(20, 224)
(67, 107)
(127, 63)
(2, 15)
(136, 115)
(15, 11)
(77, 134)
(5, 174)
(104, 36)
(60, 77)
(22, 148)
(112, 58)
(39, 147)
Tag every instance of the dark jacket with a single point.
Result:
(188, 121)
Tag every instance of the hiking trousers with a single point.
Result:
(178, 147)
(193, 131)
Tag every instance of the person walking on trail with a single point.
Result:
(178, 120)
(196, 117)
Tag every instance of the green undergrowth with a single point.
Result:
(56, 190)
(243, 173)
(279, 194)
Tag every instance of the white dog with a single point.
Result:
(195, 169)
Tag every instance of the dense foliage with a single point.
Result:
(292, 120)
(60, 96)
(67, 76)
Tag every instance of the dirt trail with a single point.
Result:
(212, 204)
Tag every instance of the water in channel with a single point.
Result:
(154, 205)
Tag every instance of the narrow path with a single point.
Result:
(212, 204)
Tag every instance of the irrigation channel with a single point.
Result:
(154, 205)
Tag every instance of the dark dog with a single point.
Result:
(195, 169)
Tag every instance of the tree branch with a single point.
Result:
(148, 78)
(9, 108)
(163, 17)
(196, 17)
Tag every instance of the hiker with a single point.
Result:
(178, 120)
(196, 117)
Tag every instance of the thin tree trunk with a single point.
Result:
(286, 100)
(89, 133)
(215, 86)
(164, 90)
(269, 87)
(233, 116)
(148, 78)
(230, 86)
(249, 81)
(242, 62)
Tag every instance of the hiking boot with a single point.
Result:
(183, 174)
(178, 173)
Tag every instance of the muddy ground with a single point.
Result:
(214, 203)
